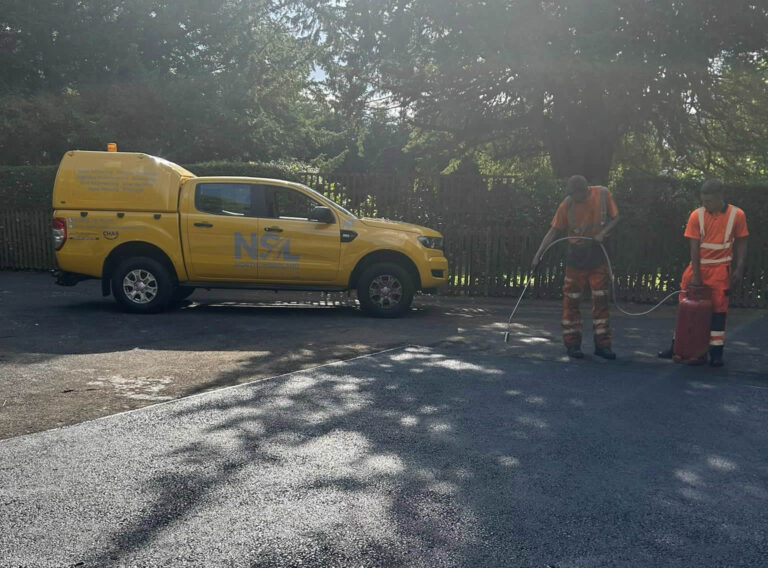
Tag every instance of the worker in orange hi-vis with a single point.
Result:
(717, 233)
(587, 211)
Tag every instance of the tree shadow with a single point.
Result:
(420, 458)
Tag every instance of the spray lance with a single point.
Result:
(610, 272)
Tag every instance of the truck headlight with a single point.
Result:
(432, 242)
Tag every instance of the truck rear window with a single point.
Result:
(231, 199)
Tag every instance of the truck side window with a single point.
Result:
(231, 199)
(291, 204)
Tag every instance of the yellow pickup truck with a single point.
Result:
(153, 232)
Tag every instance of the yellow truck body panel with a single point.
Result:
(150, 229)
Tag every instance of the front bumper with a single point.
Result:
(434, 274)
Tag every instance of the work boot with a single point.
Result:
(575, 352)
(605, 353)
(716, 356)
(668, 353)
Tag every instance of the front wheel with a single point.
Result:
(142, 285)
(385, 290)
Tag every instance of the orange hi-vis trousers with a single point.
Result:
(573, 290)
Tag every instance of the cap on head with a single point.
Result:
(712, 187)
(576, 184)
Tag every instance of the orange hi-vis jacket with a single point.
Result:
(716, 233)
(585, 219)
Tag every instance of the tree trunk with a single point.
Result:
(582, 136)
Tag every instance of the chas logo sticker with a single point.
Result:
(111, 235)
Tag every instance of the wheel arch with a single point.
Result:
(386, 256)
(129, 250)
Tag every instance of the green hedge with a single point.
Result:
(32, 186)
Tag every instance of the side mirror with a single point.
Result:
(322, 215)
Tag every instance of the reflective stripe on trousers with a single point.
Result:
(573, 290)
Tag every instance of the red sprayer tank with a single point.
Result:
(694, 317)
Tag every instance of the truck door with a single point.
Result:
(291, 247)
(222, 231)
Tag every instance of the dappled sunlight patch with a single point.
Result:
(409, 421)
(688, 477)
(427, 359)
(346, 446)
(534, 340)
(512, 392)
(411, 354)
(641, 353)
(281, 402)
(463, 473)
(537, 400)
(732, 409)
(532, 421)
(439, 427)
(442, 488)
(577, 402)
(298, 383)
(721, 464)
(346, 387)
(383, 464)
(701, 386)
(457, 365)
(508, 461)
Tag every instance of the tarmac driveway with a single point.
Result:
(69, 355)
(412, 457)
(451, 448)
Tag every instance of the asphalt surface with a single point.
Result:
(413, 457)
(450, 448)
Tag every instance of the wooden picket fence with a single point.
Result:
(492, 228)
(25, 239)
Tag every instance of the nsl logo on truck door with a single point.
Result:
(271, 248)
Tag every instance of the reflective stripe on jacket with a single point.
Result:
(717, 247)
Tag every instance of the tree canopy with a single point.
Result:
(589, 86)
(187, 80)
(570, 79)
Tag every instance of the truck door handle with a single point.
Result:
(273, 229)
(203, 225)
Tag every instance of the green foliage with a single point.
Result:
(185, 80)
(565, 79)
(27, 186)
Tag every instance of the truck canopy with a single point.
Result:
(110, 181)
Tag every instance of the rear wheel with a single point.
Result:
(142, 285)
(385, 290)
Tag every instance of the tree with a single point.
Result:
(186, 80)
(571, 79)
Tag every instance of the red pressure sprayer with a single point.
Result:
(694, 317)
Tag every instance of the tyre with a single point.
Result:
(142, 285)
(385, 290)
